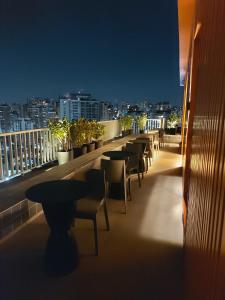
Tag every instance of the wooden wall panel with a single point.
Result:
(205, 231)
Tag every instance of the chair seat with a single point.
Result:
(87, 207)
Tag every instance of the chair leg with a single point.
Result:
(96, 236)
(143, 168)
(139, 179)
(125, 198)
(125, 206)
(129, 188)
(106, 216)
(146, 164)
(73, 223)
(153, 152)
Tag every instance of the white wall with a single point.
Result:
(112, 129)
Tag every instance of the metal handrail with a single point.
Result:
(151, 124)
(22, 151)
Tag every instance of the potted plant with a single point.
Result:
(89, 132)
(172, 123)
(122, 125)
(60, 130)
(78, 138)
(129, 124)
(141, 122)
(98, 132)
(126, 125)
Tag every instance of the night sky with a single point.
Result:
(116, 50)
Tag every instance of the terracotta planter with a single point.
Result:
(63, 157)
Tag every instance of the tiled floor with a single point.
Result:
(140, 257)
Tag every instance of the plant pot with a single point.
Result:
(125, 132)
(171, 131)
(90, 147)
(131, 131)
(98, 144)
(84, 149)
(63, 157)
(71, 154)
(76, 152)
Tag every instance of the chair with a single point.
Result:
(115, 173)
(89, 206)
(161, 138)
(132, 164)
(148, 154)
(137, 161)
(156, 143)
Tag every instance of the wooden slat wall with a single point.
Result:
(205, 231)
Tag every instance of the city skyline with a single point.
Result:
(117, 51)
(57, 98)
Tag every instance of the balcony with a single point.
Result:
(140, 256)
(23, 151)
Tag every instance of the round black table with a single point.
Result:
(118, 155)
(58, 201)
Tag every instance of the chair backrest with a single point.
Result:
(136, 148)
(115, 171)
(147, 141)
(96, 182)
(161, 132)
(156, 137)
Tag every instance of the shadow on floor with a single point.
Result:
(135, 268)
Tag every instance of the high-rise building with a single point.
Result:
(40, 111)
(81, 105)
(163, 106)
(20, 124)
(5, 111)
(106, 111)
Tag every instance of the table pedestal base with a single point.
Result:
(61, 254)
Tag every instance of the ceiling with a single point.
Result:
(186, 12)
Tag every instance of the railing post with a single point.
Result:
(41, 147)
(37, 149)
(29, 151)
(1, 164)
(25, 150)
(50, 153)
(16, 154)
(6, 164)
(21, 154)
(11, 156)
(34, 150)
